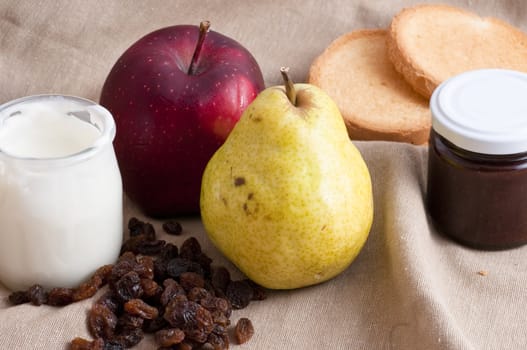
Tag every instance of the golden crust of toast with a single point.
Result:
(428, 44)
(374, 99)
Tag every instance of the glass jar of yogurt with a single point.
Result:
(61, 203)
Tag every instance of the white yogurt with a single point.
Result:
(45, 130)
(60, 191)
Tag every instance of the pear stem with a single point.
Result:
(290, 90)
(203, 30)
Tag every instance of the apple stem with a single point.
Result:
(289, 86)
(203, 30)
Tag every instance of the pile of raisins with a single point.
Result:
(156, 287)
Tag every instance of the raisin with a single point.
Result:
(195, 267)
(177, 266)
(135, 226)
(60, 296)
(84, 344)
(219, 329)
(239, 293)
(86, 290)
(186, 345)
(144, 266)
(244, 330)
(180, 311)
(149, 231)
(103, 273)
(128, 321)
(152, 326)
(197, 293)
(138, 307)
(201, 326)
(96, 280)
(259, 292)
(19, 297)
(205, 262)
(218, 341)
(172, 227)
(169, 251)
(37, 295)
(169, 337)
(110, 345)
(219, 304)
(128, 338)
(197, 334)
(190, 249)
(111, 301)
(172, 288)
(129, 286)
(127, 256)
(150, 287)
(101, 321)
(160, 270)
(220, 278)
(131, 244)
(220, 319)
(192, 318)
(189, 280)
(125, 264)
(149, 247)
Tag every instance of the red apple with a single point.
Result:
(175, 95)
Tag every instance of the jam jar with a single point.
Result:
(477, 160)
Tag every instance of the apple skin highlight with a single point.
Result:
(169, 122)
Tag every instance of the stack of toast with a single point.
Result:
(382, 79)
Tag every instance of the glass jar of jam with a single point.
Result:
(477, 165)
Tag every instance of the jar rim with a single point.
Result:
(89, 112)
(483, 111)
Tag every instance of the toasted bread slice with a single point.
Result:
(430, 43)
(375, 101)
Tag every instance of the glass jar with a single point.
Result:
(477, 166)
(61, 210)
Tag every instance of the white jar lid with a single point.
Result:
(483, 111)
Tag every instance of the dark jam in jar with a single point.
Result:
(477, 199)
(477, 160)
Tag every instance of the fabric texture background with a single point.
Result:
(410, 288)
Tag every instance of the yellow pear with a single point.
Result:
(288, 198)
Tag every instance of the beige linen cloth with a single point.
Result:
(410, 288)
